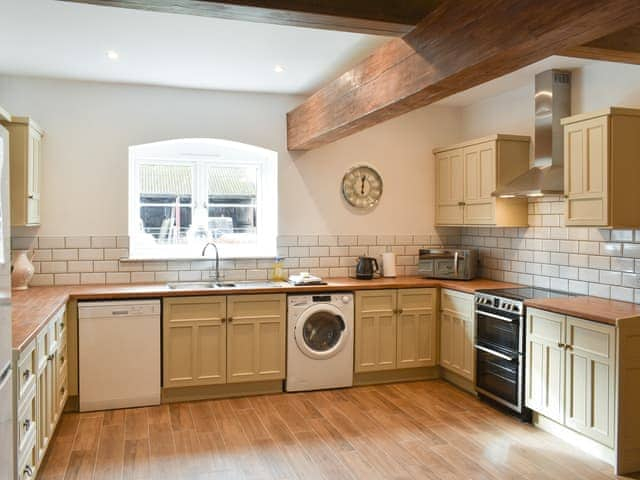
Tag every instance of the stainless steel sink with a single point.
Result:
(214, 285)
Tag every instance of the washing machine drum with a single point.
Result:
(321, 331)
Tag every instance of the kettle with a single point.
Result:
(366, 268)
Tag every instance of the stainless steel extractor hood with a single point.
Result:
(552, 103)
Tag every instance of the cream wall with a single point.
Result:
(89, 127)
(596, 86)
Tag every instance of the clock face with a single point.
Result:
(362, 186)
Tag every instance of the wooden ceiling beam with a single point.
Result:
(457, 46)
(378, 17)
(622, 46)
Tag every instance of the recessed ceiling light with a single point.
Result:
(112, 55)
(278, 69)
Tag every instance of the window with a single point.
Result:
(185, 193)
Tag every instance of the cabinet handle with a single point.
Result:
(62, 390)
(566, 196)
(61, 325)
(562, 345)
(230, 319)
(26, 374)
(26, 425)
(50, 357)
(568, 347)
(31, 197)
(461, 204)
(61, 358)
(28, 471)
(222, 320)
(400, 311)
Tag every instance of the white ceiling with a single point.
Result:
(49, 38)
(67, 40)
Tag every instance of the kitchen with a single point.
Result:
(106, 232)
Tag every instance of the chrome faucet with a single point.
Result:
(204, 250)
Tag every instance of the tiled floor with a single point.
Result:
(423, 430)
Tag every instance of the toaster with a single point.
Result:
(455, 264)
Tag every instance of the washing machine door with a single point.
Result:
(321, 331)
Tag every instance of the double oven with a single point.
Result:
(499, 348)
(500, 345)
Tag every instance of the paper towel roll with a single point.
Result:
(388, 264)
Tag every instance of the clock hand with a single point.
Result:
(364, 177)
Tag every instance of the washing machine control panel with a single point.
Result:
(303, 300)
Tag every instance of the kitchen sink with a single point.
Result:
(214, 285)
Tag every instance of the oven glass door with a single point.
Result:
(498, 376)
(497, 330)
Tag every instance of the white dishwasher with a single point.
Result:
(119, 354)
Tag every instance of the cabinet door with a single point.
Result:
(449, 187)
(479, 183)
(416, 339)
(375, 330)
(590, 379)
(34, 181)
(544, 371)
(457, 351)
(586, 156)
(45, 387)
(194, 341)
(256, 337)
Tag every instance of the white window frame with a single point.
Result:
(200, 153)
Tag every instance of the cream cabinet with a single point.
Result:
(545, 367)
(256, 338)
(223, 339)
(194, 341)
(468, 173)
(395, 329)
(26, 170)
(40, 393)
(570, 373)
(449, 187)
(457, 352)
(601, 172)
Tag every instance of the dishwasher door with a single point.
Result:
(119, 354)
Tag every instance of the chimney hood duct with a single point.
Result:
(546, 177)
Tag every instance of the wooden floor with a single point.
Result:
(423, 430)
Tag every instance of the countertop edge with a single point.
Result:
(154, 290)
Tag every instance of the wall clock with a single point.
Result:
(362, 186)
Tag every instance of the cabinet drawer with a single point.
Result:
(61, 325)
(62, 361)
(594, 339)
(26, 370)
(545, 325)
(457, 302)
(62, 392)
(28, 461)
(26, 420)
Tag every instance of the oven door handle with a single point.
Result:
(494, 353)
(493, 315)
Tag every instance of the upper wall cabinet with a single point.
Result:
(25, 138)
(601, 168)
(466, 175)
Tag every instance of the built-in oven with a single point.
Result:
(499, 347)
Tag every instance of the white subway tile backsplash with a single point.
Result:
(142, 277)
(24, 243)
(50, 242)
(610, 278)
(80, 266)
(308, 240)
(327, 240)
(106, 266)
(189, 276)
(118, 277)
(599, 290)
(92, 278)
(603, 263)
(347, 240)
(42, 280)
(622, 294)
(622, 235)
(287, 241)
(631, 250)
(320, 251)
(90, 254)
(104, 241)
(115, 253)
(64, 254)
(41, 255)
(621, 264)
(298, 251)
(66, 279)
(77, 242)
(53, 267)
(166, 276)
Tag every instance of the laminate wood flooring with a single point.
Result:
(419, 430)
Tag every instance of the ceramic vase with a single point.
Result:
(21, 270)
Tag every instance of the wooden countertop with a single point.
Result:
(32, 308)
(590, 308)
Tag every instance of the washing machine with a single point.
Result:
(319, 342)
